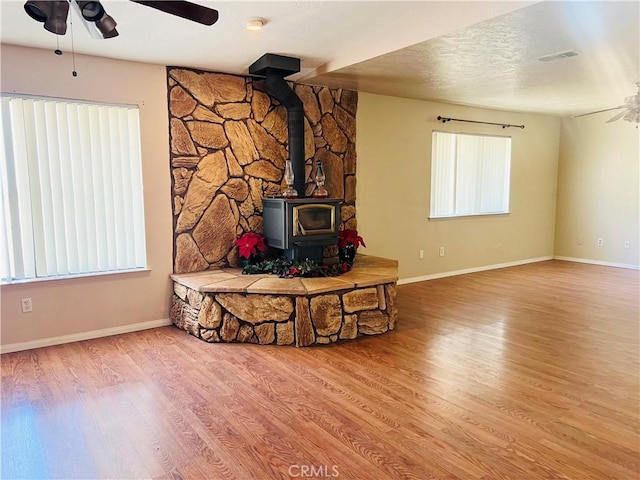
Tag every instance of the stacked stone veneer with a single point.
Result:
(223, 305)
(300, 320)
(228, 140)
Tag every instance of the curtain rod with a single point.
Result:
(503, 125)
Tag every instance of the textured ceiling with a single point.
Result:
(467, 52)
(318, 32)
(495, 63)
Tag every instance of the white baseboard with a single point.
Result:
(77, 337)
(473, 270)
(597, 262)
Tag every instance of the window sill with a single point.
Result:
(445, 217)
(74, 277)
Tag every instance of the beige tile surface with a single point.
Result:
(367, 271)
(282, 286)
(205, 278)
(325, 284)
(235, 284)
(234, 270)
(366, 279)
(375, 270)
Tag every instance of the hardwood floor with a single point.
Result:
(525, 372)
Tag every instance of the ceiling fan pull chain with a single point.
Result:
(73, 51)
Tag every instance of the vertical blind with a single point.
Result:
(71, 199)
(469, 174)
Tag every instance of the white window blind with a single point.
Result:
(71, 189)
(469, 174)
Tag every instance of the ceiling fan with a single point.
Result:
(101, 25)
(630, 112)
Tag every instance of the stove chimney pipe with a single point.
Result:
(274, 68)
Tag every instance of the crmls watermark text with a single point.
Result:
(314, 471)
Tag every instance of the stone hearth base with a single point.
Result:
(226, 306)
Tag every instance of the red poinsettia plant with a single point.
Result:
(350, 237)
(250, 245)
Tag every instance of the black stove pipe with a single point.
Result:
(274, 68)
(295, 119)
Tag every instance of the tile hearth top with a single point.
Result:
(367, 270)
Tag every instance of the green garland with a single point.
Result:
(294, 268)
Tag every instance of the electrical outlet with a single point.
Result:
(27, 306)
(627, 244)
(600, 242)
(442, 251)
(421, 254)
(580, 241)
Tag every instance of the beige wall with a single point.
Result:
(74, 306)
(394, 150)
(599, 190)
(394, 147)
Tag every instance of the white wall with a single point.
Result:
(73, 307)
(393, 189)
(599, 191)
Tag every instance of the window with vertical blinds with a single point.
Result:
(469, 174)
(71, 199)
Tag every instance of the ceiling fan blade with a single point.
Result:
(600, 111)
(632, 115)
(188, 10)
(617, 116)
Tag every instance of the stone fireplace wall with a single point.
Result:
(228, 139)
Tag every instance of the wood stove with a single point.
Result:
(300, 227)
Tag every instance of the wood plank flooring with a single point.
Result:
(528, 372)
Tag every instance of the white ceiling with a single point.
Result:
(467, 52)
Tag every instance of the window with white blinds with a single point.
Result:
(71, 199)
(469, 174)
